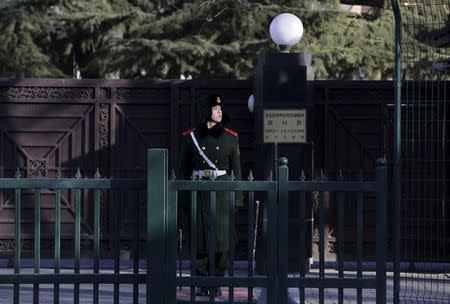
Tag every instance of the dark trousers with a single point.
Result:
(221, 264)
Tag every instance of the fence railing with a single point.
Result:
(95, 275)
(276, 281)
(161, 278)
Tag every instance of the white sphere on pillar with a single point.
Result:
(286, 30)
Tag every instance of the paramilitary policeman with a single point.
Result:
(211, 151)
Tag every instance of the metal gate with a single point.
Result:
(276, 284)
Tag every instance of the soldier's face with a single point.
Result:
(216, 115)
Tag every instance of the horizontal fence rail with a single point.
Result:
(70, 183)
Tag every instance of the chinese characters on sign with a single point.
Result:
(285, 126)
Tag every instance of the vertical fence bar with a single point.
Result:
(397, 150)
(193, 230)
(136, 247)
(96, 241)
(57, 242)
(283, 179)
(17, 240)
(37, 241)
(116, 240)
(340, 243)
(321, 244)
(301, 240)
(231, 235)
(157, 179)
(272, 255)
(381, 186)
(76, 292)
(251, 237)
(171, 247)
(212, 240)
(359, 241)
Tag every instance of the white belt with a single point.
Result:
(209, 173)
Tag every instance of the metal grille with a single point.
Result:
(425, 161)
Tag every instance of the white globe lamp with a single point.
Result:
(286, 30)
(251, 103)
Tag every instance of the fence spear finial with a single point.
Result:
(340, 176)
(321, 176)
(250, 176)
(361, 176)
(172, 175)
(232, 177)
(302, 176)
(78, 174)
(193, 175)
(58, 173)
(97, 174)
(18, 175)
(270, 177)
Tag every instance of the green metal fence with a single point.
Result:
(96, 276)
(421, 214)
(276, 281)
(161, 278)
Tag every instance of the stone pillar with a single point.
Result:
(283, 82)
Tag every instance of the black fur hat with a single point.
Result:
(205, 108)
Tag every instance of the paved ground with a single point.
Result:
(416, 288)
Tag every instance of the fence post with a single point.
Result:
(282, 204)
(157, 189)
(397, 148)
(381, 186)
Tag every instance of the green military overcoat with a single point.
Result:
(221, 146)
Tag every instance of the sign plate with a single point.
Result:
(285, 126)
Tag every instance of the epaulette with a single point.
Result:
(187, 132)
(234, 133)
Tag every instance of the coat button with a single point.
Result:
(216, 161)
(204, 162)
(217, 148)
(203, 148)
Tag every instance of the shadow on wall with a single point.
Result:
(49, 125)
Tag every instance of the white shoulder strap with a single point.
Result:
(210, 163)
